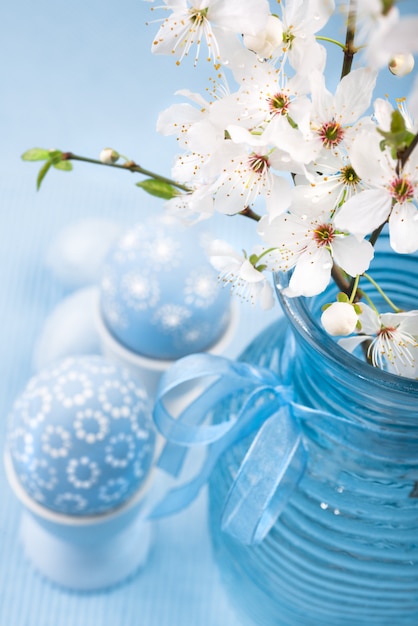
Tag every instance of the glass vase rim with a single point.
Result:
(308, 326)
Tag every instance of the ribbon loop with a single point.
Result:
(274, 462)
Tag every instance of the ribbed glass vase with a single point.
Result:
(345, 549)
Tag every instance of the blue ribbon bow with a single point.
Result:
(276, 460)
(272, 466)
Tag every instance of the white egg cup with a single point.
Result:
(87, 553)
(149, 370)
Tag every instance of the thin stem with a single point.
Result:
(337, 43)
(131, 166)
(349, 48)
(354, 290)
(382, 293)
(264, 253)
(247, 212)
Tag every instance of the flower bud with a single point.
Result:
(339, 319)
(108, 156)
(402, 64)
(266, 42)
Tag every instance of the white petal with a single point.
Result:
(250, 274)
(279, 198)
(354, 94)
(403, 37)
(322, 100)
(267, 299)
(311, 274)
(407, 322)
(364, 212)
(352, 255)
(239, 16)
(367, 159)
(383, 111)
(317, 13)
(369, 319)
(351, 343)
(403, 228)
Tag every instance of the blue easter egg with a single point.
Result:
(81, 437)
(160, 296)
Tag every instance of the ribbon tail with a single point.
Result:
(251, 416)
(270, 471)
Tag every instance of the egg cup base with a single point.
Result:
(86, 566)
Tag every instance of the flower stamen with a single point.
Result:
(259, 164)
(348, 176)
(401, 189)
(279, 104)
(324, 235)
(331, 134)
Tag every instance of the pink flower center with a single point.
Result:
(331, 134)
(259, 163)
(279, 104)
(323, 235)
(401, 189)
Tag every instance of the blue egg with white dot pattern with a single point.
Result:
(160, 296)
(81, 437)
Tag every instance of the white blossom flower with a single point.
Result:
(266, 94)
(245, 280)
(213, 21)
(339, 318)
(333, 180)
(335, 119)
(310, 243)
(393, 338)
(247, 173)
(392, 195)
(301, 20)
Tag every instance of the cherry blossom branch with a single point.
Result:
(408, 151)
(130, 166)
(339, 279)
(349, 48)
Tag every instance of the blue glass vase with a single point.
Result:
(345, 549)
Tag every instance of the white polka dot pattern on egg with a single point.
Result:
(81, 437)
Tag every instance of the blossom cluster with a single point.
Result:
(320, 172)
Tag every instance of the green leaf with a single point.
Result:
(55, 156)
(342, 297)
(42, 173)
(36, 154)
(324, 307)
(398, 138)
(158, 188)
(65, 166)
(397, 122)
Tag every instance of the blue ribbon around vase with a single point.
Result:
(272, 466)
(276, 459)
